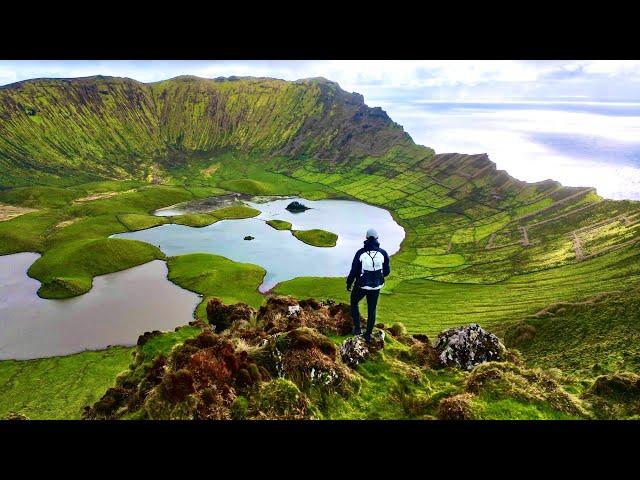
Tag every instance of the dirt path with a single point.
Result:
(7, 212)
(525, 236)
(98, 196)
(490, 242)
(577, 247)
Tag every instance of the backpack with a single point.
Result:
(371, 279)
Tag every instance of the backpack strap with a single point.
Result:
(373, 264)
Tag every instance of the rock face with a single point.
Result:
(465, 347)
(355, 350)
(297, 207)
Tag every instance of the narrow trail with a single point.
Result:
(525, 237)
(490, 242)
(577, 247)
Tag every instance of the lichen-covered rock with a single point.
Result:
(355, 350)
(465, 347)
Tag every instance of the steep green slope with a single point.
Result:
(599, 335)
(120, 128)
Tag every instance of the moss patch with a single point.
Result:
(316, 237)
(279, 224)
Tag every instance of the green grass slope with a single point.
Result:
(68, 270)
(600, 335)
(60, 387)
(97, 156)
(213, 275)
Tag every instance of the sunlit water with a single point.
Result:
(120, 307)
(281, 254)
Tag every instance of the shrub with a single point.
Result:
(398, 329)
(458, 407)
(239, 408)
(282, 399)
(175, 387)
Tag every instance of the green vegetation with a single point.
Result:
(245, 185)
(68, 270)
(60, 387)
(196, 220)
(205, 219)
(97, 156)
(281, 370)
(135, 221)
(316, 237)
(213, 275)
(279, 224)
(599, 335)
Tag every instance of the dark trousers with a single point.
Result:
(358, 294)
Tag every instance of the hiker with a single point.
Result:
(370, 266)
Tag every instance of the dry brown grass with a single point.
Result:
(98, 196)
(7, 212)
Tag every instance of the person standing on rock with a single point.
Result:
(369, 268)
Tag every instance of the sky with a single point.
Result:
(577, 121)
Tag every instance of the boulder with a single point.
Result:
(465, 347)
(355, 350)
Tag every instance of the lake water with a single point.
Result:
(281, 254)
(120, 307)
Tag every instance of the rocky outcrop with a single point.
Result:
(268, 363)
(221, 316)
(465, 347)
(356, 350)
(282, 361)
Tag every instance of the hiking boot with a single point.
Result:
(367, 337)
(357, 331)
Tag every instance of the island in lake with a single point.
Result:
(296, 207)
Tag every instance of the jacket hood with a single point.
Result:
(371, 243)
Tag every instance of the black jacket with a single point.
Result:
(356, 273)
